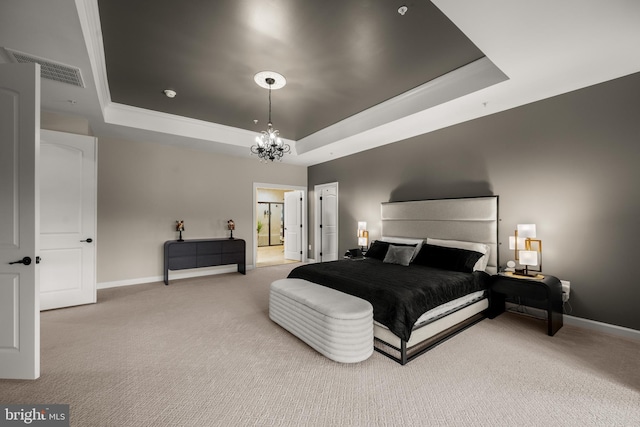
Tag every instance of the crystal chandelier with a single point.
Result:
(269, 146)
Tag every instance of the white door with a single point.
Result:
(327, 221)
(19, 221)
(68, 186)
(293, 225)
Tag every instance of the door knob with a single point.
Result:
(26, 261)
(89, 240)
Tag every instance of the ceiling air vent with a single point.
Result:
(49, 69)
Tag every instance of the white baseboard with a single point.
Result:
(602, 327)
(185, 274)
(129, 282)
(580, 322)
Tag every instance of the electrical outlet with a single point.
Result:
(566, 289)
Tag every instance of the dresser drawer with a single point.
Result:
(233, 258)
(234, 245)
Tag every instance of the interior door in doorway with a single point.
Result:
(68, 187)
(19, 221)
(327, 221)
(293, 225)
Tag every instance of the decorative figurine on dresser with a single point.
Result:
(231, 226)
(180, 229)
(198, 253)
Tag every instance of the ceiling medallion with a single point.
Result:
(269, 146)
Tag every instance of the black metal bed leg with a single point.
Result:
(403, 352)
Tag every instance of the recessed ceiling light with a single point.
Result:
(402, 10)
(170, 93)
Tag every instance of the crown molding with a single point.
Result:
(92, 32)
(141, 118)
(467, 79)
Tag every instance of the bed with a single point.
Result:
(426, 277)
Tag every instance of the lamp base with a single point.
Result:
(523, 272)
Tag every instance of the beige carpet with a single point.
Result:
(203, 352)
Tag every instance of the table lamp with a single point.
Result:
(363, 235)
(522, 245)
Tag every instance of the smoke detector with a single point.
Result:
(170, 93)
(402, 10)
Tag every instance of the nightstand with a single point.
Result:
(546, 290)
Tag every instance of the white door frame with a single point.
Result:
(254, 237)
(317, 189)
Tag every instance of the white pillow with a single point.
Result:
(481, 264)
(405, 240)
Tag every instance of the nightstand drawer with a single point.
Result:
(523, 289)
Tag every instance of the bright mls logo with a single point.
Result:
(35, 415)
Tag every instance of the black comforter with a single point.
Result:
(399, 294)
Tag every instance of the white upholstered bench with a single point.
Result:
(337, 325)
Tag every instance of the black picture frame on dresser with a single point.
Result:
(545, 293)
(199, 253)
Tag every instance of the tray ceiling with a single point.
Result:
(339, 57)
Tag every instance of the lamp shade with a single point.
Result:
(363, 234)
(528, 258)
(526, 231)
(362, 225)
(512, 242)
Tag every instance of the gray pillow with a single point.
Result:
(399, 255)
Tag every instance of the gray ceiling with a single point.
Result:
(339, 57)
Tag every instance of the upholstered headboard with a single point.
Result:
(473, 219)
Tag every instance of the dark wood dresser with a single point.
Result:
(199, 253)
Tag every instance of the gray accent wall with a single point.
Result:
(570, 164)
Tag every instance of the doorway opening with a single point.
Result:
(280, 224)
(270, 223)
